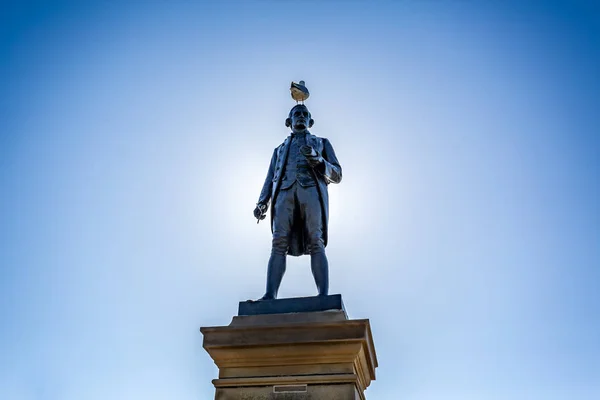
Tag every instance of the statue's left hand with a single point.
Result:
(312, 156)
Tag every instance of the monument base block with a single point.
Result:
(292, 355)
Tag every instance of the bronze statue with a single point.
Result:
(296, 185)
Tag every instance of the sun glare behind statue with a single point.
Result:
(239, 198)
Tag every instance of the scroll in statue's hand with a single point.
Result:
(312, 156)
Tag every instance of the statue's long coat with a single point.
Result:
(329, 172)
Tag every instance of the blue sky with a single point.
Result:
(135, 136)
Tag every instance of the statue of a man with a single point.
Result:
(296, 184)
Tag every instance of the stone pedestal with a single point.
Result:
(311, 352)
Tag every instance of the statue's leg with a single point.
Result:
(320, 270)
(282, 223)
(312, 214)
(275, 271)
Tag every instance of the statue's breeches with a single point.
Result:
(298, 209)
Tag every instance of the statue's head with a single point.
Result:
(299, 118)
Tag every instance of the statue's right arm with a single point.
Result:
(265, 193)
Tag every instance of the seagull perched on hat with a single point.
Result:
(299, 91)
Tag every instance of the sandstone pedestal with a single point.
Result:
(312, 352)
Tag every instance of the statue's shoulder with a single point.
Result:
(279, 148)
(315, 137)
(287, 139)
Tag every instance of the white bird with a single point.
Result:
(299, 91)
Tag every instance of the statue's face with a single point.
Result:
(300, 119)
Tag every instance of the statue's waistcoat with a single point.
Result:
(296, 167)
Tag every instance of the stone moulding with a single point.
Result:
(330, 351)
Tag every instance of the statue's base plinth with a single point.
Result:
(292, 305)
(292, 355)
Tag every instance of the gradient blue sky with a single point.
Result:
(135, 136)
